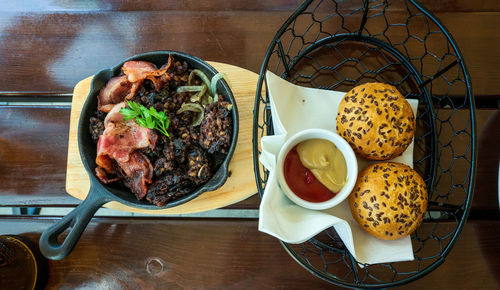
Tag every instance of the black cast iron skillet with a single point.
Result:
(100, 193)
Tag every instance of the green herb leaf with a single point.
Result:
(134, 106)
(162, 115)
(147, 118)
(141, 122)
(167, 121)
(156, 114)
(128, 114)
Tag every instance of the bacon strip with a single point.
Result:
(139, 173)
(124, 87)
(115, 91)
(118, 144)
(101, 174)
(137, 71)
(161, 77)
(121, 137)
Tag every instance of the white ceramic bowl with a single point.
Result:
(342, 145)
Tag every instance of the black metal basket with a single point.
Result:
(336, 45)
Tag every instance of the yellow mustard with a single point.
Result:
(325, 161)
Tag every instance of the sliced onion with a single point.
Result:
(197, 97)
(215, 79)
(206, 100)
(189, 89)
(200, 74)
(201, 170)
(193, 107)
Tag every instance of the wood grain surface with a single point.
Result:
(66, 41)
(219, 253)
(46, 47)
(33, 158)
(239, 185)
(34, 145)
(486, 191)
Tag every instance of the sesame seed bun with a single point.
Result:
(389, 200)
(376, 120)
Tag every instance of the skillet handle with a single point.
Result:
(77, 220)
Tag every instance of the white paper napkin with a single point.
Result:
(294, 109)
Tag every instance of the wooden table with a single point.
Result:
(47, 47)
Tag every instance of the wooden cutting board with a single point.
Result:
(240, 185)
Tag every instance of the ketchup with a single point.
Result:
(301, 180)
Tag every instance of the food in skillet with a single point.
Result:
(162, 132)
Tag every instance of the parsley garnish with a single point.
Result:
(147, 118)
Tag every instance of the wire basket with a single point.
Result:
(337, 45)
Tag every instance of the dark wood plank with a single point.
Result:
(222, 5)
(486, 191)
(473, 32)
(454, 153)
(132, 5)
(33, 152)
(199, 253)
(89, 42)
(34, 147)
(461, 5)
(195, 254)
(473, 261)
(64, 48)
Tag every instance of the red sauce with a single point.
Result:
(301, 180)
